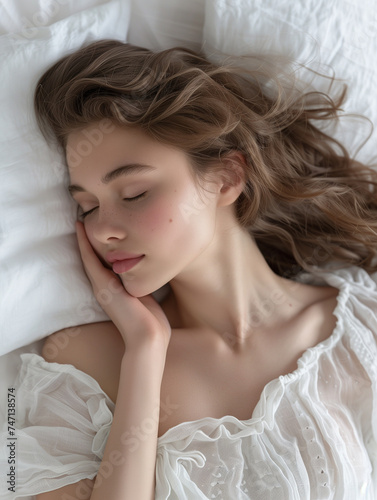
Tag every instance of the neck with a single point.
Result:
(231, 290)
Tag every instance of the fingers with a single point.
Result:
(107, 287)
(135, 318)
(98, 275)
(86, 250)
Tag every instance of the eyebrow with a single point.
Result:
(132, 168)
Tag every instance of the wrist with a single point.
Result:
(148, 357)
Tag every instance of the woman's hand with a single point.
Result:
(140, 321)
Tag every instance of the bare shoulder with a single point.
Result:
(318, 320)
(96, 349)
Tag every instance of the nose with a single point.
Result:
(108, 225)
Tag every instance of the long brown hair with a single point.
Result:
(305, 202)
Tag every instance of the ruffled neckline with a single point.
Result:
(273, 392)
(209, 428)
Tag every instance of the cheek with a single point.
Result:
(158, 218)
(92, 240)
(175, 213)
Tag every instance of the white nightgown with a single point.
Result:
(312, 435)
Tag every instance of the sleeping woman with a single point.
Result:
(255, 376)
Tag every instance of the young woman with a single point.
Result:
(255, 376)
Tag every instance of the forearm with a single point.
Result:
(130, 452)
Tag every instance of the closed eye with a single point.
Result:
(84, 214)
(136, 197)
(88, 212)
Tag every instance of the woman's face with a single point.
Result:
(168, 222)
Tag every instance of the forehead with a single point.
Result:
(104, 136)
(104, 146)
(104, 141)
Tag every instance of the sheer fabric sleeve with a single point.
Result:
(363, 301)
(63, 419)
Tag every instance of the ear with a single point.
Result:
(233, 178)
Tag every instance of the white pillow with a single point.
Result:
(43, 287)
(323, 33)
(26, 16)
(156, 24)
(161, 24)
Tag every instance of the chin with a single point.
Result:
(134, 288)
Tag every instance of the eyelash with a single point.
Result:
(88, 212)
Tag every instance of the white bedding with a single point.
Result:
(43, 287)
(326, 35)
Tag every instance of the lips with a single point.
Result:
(118, 255)
(123, 261)
(121, 266)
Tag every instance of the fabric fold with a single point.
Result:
(313, 432)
